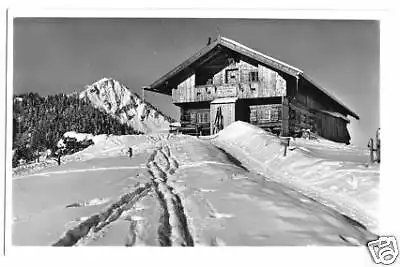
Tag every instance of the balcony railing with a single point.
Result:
(210, 92)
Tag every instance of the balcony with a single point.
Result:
(210, 92)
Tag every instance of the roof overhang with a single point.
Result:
(222, 42)
(162, 85)
(331, 96)
(156, 91)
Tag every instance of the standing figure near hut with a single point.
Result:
(58, 155)
(130, 152)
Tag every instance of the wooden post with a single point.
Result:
(284, 151)
(285, 142)
(371, 150)
(285, 117)
(378, 145)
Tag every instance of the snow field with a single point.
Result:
(181, 190)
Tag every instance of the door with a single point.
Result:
(221, 116)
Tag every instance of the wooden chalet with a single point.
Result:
(227, 81)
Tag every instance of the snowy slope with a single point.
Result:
(176, 190)
(335, 174)
(114, 98)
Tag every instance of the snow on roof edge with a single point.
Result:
(261, 54)
(332, 96)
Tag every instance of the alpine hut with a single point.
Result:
(226, 81)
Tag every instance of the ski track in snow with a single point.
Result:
(173, 229)
(88, 228)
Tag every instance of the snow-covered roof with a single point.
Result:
(230, 41)
(164, 84)
(230, 44)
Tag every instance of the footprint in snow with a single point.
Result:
(139, 208)
(204, 190)
(218, 215)
(92, 202)
(238, 177)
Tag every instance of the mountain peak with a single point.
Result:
(115, 99)
(105, 80)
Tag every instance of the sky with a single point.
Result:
(54, 55)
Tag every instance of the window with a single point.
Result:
(253, 76)
(206, 117)
(268, 115)
(265, 113)
(232, 76)
(203, 117)
(231, 61)
(193, 117)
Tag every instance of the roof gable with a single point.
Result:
(270, 61)
(220, 42)
(162, 84)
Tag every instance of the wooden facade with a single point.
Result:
(227, 81)
(241, 80)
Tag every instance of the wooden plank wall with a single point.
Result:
(185, 90)
(325, 125)
(301, 118)
(228, 113)
(333, 128)
(270, 84)
(306, 98)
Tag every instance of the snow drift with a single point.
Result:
(332, 173)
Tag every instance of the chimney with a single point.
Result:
(209, 41)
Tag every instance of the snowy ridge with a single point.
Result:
(115, 99)
(334, 174)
